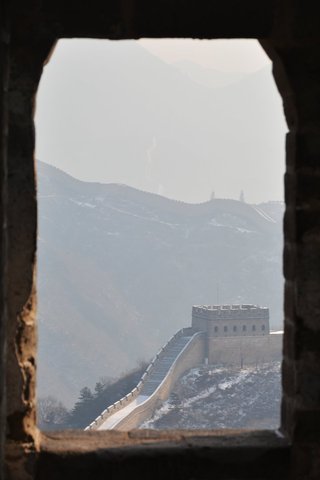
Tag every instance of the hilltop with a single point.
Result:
(113, 111)
(119, 269)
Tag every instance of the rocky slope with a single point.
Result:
(223, 397)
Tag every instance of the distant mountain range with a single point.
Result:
(113, 111)
(119, 270)
(208, 77)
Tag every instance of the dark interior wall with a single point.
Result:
(25, 72)
(4, 61)
(26, 60)
(297, 72)
(139, 18)
(289, 31)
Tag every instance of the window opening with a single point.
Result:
(113, 255)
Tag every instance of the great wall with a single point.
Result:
(288, 31)
(220, 334)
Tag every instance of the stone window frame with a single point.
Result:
(288, 32)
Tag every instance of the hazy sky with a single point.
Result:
(181, 118)
(244, 56)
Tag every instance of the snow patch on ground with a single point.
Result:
(223, 397)
(83, 204)
(213, 222)
(234, 381)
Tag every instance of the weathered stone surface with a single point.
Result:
(180, 454)
(289, 31)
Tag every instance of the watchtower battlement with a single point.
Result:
(231, 320)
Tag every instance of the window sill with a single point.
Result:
(178, 454)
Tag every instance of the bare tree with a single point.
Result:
(51, 412)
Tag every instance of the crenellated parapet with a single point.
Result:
(231, 320)
(183, 350)
(190, 347)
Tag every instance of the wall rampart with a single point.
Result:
(238, 351)
(231, 320)
(191, 355)
(242, 351)
(135, 392)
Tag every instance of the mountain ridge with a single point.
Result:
(119, 269)
(160, 131)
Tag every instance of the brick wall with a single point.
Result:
(289, 32)
(191, 356)
(4, 76)
(231, 320)
(243, 351)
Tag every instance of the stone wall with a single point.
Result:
(234, 351)
(4, 77)
(191, 356)
(231, 320)
(136, 391)
(289, 32)
(243, 351)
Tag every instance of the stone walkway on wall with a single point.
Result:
(156, 377)
(163, 365)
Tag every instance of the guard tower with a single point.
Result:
(231, 320)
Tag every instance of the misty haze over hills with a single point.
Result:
(119, 269)
(208, 77)
(113, 112)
